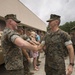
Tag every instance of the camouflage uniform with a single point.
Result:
(12, 53)
(26, 66)
(25, 60)
(54, 61)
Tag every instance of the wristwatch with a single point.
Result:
(71, 64)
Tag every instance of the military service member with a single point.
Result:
(12, 44)
(26, 57)
(55, 42)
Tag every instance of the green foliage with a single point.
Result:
(68, 26)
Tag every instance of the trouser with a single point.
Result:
(52, 71)
(16, 72)
(26, 67)
(24, 71)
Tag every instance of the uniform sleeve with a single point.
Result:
(12, 35)
(68, 42)
(67, 39)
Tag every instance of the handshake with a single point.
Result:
(40, 46)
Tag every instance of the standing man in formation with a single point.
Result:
(54, 43)
(12, 44)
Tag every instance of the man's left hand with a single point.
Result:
(69, 70)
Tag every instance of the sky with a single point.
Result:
(44, 8)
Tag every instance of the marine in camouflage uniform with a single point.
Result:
(54, 63)
(13, 56)
(25, 60)
(12, 53)
(12, 44)
(55, 44)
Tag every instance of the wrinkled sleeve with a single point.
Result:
(68, 42)
(67, 39)
(13, 35)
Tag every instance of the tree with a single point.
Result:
(68, 26)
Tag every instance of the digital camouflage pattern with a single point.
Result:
(25, 60)
(53, 17)
(55, 48)
(26, 67)
(12, 53)
(13, 17)
(16, 72)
